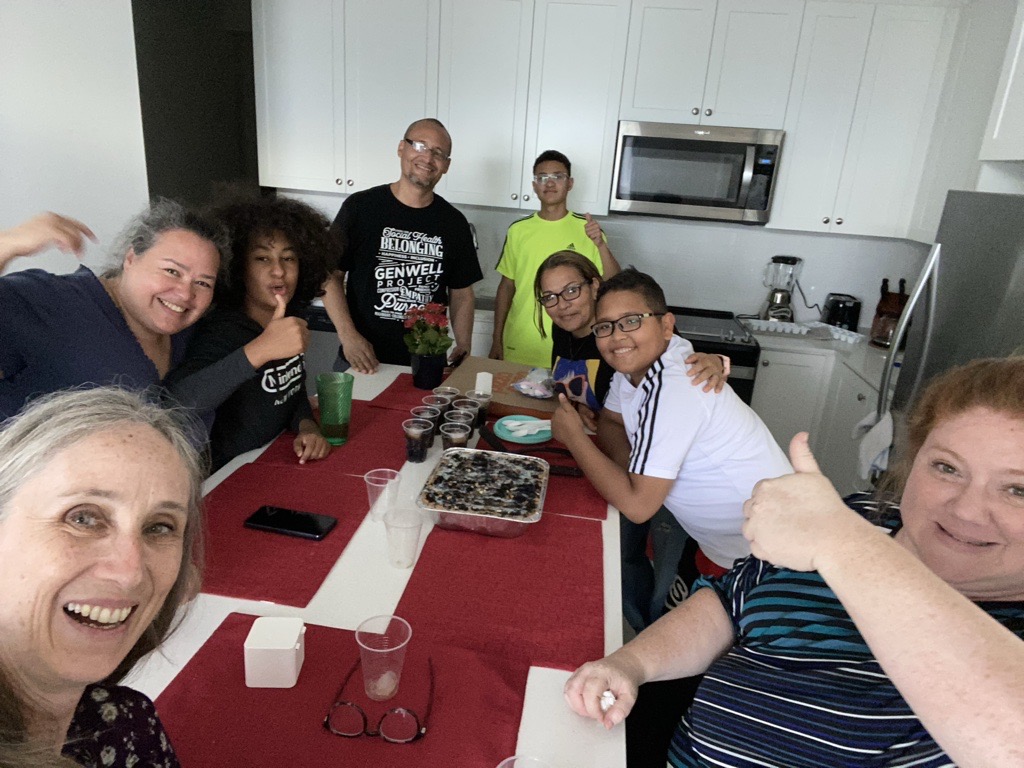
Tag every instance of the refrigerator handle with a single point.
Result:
(927, 277)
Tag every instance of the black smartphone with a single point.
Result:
(305, 525)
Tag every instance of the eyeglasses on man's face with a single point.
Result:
(421, 148)
(627, 323)
(397, 726)
(571, 292)
(544, 178)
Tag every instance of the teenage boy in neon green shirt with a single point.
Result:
(529, 241)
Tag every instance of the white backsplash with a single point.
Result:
(716, 265)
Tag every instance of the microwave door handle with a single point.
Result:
(929, 278)
(748, 177)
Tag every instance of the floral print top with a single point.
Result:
(116, 727)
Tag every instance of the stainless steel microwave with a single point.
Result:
(695, 171)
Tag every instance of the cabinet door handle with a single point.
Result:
(526, 197)
(861, 397)
(351, 182)
(825, 220)
(695, 111)
(515, 196)
(707, 112)
(839, 221)
(339, 182)
(764, 363)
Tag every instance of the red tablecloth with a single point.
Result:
(538, 597)
(256, 565)
(375, 440)
(213, 719)
(400, 395)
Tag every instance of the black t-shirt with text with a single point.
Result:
(396, 258)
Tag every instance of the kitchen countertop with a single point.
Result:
(862, 358)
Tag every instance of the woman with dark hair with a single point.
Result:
(123, 327)
(245, 363)
(100, 545)
(566, 288)
(875, 634)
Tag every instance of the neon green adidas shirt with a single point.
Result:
(528, 242)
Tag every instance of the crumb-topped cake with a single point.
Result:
(487, 483)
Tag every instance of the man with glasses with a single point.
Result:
(403, 247)
(531, 240)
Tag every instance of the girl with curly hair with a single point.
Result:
(244, 365)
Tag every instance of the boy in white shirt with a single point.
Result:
(662, 440)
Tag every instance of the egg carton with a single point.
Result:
(814, 330)
(777, 326)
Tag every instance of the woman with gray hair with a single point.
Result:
(100, 544)
(58, 331)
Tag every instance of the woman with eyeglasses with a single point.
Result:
(566, 288)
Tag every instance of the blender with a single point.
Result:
(780, 275)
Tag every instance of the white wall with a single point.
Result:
(70, 121)
(715, 265)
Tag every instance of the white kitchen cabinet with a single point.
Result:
(790, 391)
(1004, 137)
(337, 81)
(717, 63)
(861, 110)
(297, 105)
(850, 399)
(521, 76)
(483, 79)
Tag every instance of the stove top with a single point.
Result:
(720, 333)
(713, 327)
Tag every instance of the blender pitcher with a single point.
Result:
(780, 276)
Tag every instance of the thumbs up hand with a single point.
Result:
(282, 338)
(793, 520)
(593, 230)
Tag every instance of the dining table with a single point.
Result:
(498, 623)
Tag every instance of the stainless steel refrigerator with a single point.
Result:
(969, 300)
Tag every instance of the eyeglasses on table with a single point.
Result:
(397, 726)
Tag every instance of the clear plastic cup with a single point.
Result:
(450, 392)
(523, 761)
(454, 435)
(381, 490)
(418, 434)
(433, 415)
(461, 417)
(483, 399)
(403, 526)
(443, 403)
(382, 643)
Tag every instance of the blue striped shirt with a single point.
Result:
(801, 687)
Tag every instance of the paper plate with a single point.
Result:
(503, 432)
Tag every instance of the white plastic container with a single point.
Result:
(274, 652)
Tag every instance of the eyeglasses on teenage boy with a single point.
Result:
(544, 178)
(626, 323)
(571, 292)
(421, 148)
(397, 726)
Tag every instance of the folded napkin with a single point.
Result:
(875, 436)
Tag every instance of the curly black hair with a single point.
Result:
(303, 226)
